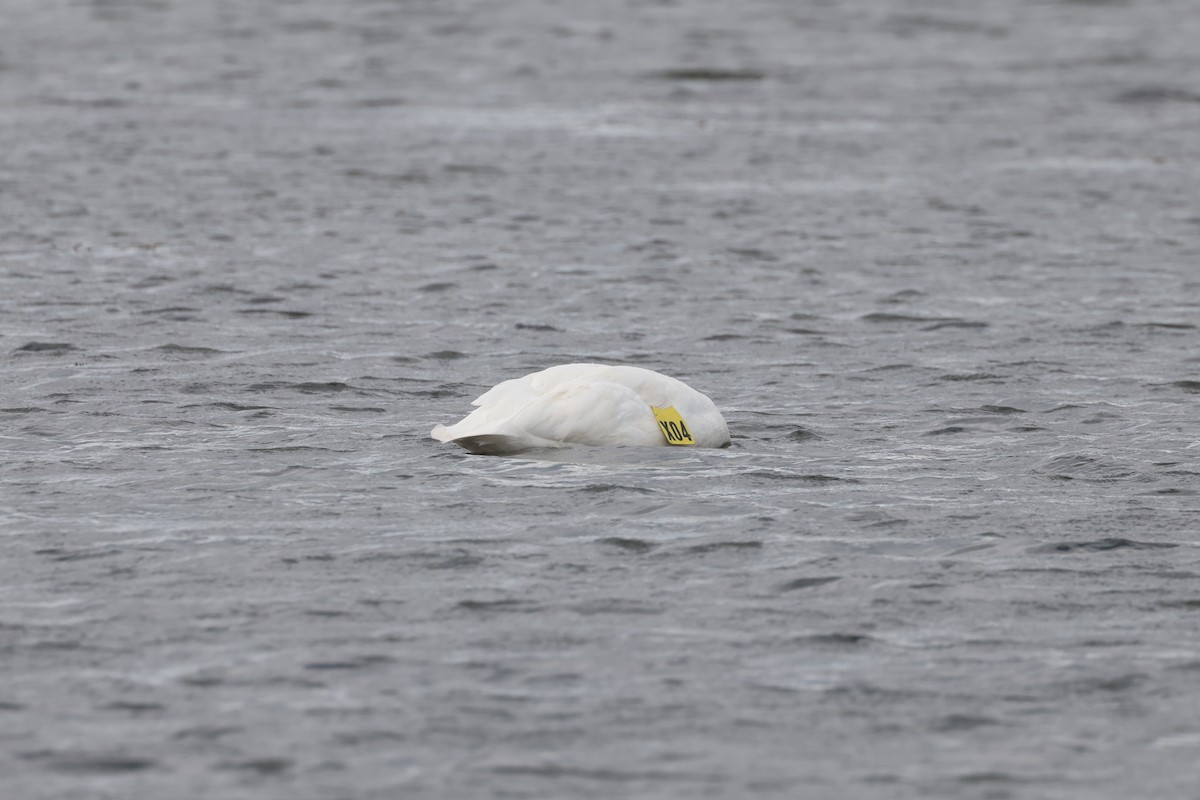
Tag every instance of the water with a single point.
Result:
(937, 265)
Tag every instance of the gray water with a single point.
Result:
(938, 264)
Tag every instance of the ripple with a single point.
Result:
(1100, 546)
(806, 583)
(258, 766)
(714, 547)
(93, 763)
(717, 74)
(628, 543)
(52, 348)
(189, 350)
(305, 387)
(508, 605)
(1079, 467)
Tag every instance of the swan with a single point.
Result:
(589, 404)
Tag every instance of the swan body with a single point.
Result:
(588, 404)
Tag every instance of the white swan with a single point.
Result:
(590, 404)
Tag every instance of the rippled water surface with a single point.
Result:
(938, 264)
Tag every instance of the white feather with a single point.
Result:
(589, 404)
